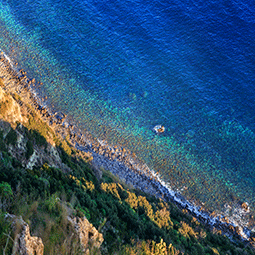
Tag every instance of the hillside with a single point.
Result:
(54, 192)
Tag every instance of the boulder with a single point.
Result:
(245, 206)
(159, 129)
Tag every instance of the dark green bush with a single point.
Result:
(5, 190)
(2, 143)
(11, 137)
(30, 149)
(38, 138)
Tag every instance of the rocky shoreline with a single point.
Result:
(118, 160)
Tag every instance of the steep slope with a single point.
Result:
(63, 198)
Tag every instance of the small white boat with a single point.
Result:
(159, 129)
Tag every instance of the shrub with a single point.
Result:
(111, 188)
(65, 157)
(11, 137)
(2, 143)
(65, 146)
(5, 190)
(162, 218)
(88, 185)
(132, 200)
(186, 230)
(30, 149)
(39, 139)
(149, 248)
(85, 212)
(144, 207)
(52, 203)
(6, 195)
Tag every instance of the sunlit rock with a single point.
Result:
(159, 129)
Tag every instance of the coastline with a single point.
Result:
(117, 160)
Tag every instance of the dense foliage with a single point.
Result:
(126, 215)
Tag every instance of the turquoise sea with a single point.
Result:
(118, 68)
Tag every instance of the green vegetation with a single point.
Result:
(131, 221)
(11, 137)
(30, 149)
(41, 196)
(5, 190)
(38, 138)
(150, 248)
(2, 142)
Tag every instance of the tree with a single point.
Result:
(6, 195)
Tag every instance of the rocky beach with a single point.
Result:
(119, 161)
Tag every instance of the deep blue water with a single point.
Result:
(121, 67)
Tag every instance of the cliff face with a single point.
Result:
(29, 139)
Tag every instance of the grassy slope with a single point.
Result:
(131, 222)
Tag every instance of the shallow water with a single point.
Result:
(120, 68)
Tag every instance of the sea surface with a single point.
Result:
(119, 68)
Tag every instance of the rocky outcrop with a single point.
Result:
(88, 236)
(10, 109)
(24, 243)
